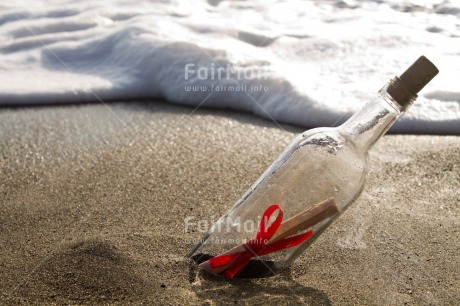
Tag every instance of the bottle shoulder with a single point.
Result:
(332, 140)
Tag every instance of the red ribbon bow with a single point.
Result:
(258, 246)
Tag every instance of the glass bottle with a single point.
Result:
(320, 173)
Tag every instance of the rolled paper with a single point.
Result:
(306, 219)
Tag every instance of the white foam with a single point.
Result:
(317, 61)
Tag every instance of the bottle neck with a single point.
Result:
(373, 120)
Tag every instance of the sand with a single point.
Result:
(94, 197)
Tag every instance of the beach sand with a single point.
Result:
(94, 197)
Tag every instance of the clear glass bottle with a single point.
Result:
(314, 180)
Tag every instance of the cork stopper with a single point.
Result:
(404, 89)
(419, 74)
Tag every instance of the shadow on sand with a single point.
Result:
(277, 290)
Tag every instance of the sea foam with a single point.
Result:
(309, 63)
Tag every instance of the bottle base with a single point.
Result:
(254, 268)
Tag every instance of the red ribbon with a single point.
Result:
(258, 246)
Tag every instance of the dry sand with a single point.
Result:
(93, 200)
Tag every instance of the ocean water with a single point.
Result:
(309, 63)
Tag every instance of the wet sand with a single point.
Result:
(94, 197)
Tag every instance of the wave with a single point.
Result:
(299, 62)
